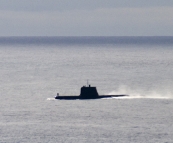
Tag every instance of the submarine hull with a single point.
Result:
(87, 93)
(85, 98)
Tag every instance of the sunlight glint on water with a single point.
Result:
(35, 69)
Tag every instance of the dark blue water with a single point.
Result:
(34, 69)
(90, 40)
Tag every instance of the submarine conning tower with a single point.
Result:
(88, 92)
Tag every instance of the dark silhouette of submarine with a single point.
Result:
(87, 93)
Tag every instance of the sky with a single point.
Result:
(86, 18)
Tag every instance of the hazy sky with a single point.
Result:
(86, 18)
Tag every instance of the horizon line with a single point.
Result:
(84, 36)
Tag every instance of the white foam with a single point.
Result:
(50, 98)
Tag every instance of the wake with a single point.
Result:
(137, 94)
(143, 97)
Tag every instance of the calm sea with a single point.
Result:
(34, 69)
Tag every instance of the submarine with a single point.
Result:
(87, 92)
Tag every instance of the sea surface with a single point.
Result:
(34, 69)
